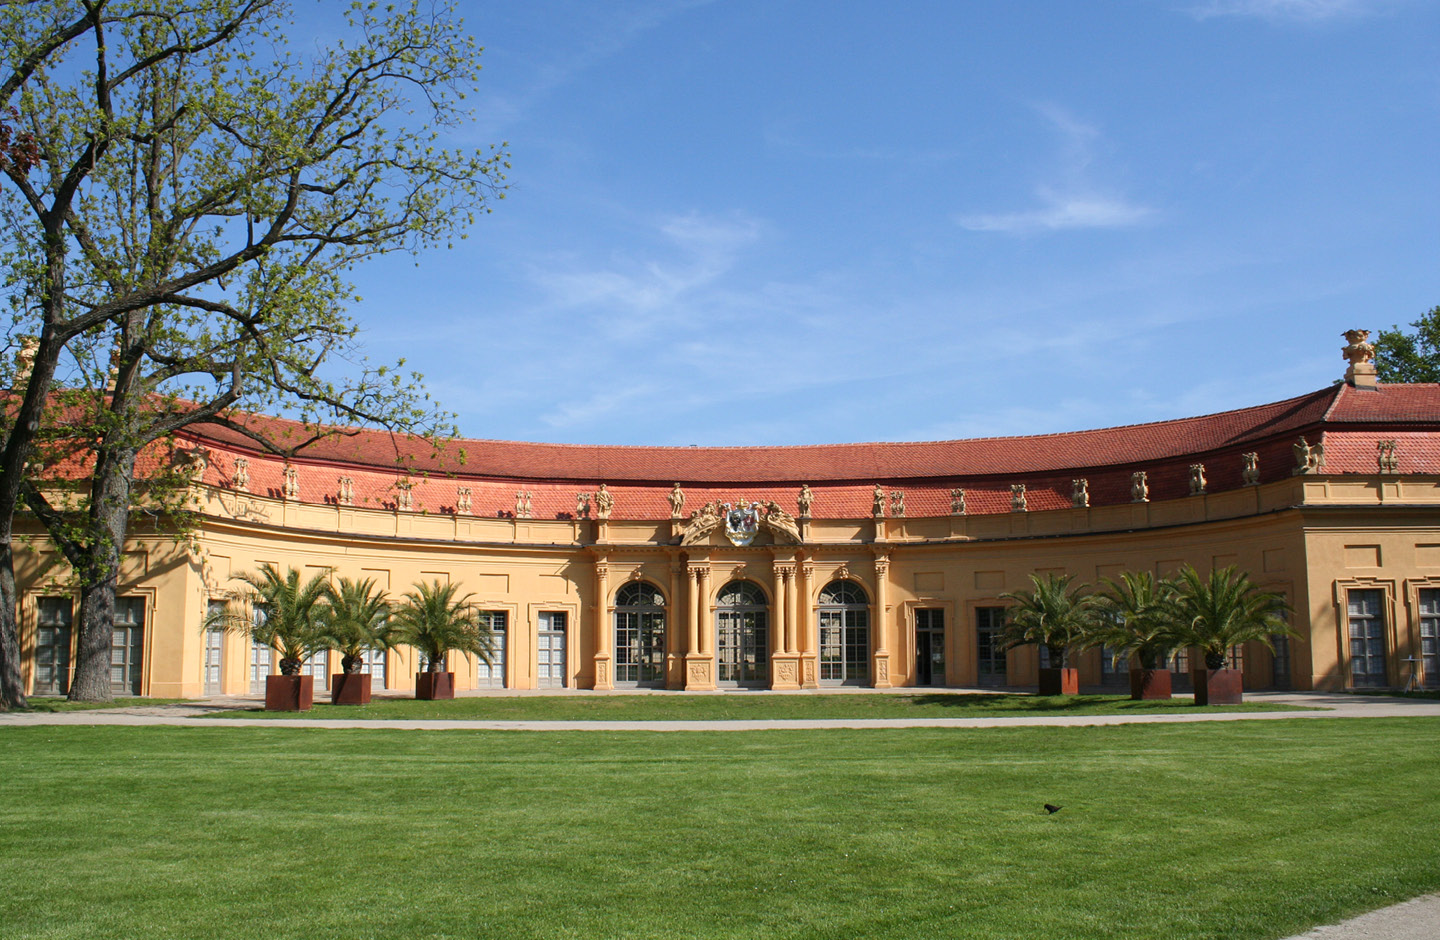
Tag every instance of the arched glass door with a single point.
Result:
(742, 636)
(844, 634)
(640, 636)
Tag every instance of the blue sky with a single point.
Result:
(738, 222)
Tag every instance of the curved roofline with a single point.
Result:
(1050, 453)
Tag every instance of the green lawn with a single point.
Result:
(738, 705)
(38, 704)
(1168, 832)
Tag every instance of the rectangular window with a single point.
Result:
(1430, 637)
(1364, 611)
(52, 646)
(989, 656)
(929, 646)
(493, 675)
(127, 645)
(550, 672)
(214, 647)
(262, 657)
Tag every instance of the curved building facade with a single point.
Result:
(875, 565)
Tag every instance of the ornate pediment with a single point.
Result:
(741, 523)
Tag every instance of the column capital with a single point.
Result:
(700, 571)
(784, 571)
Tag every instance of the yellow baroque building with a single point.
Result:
(800, 567)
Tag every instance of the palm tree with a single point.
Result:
(287, 614)
(1053, 614)
(1133, 618)
(355, 619)
(1222, 611)
(434, 621)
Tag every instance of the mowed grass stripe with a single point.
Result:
(740, 706)
(1221, 830)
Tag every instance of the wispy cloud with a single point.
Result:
(1074, 200)
(609, 35)
(1302, 10)
(1061, 211)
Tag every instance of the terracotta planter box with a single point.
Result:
(289, 693)
(350, 688)
(434, 685)
(1218, 687)
(1147, 684)
(1060, 681)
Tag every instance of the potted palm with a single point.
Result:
(355, 619)
(1132, 622)
(1216, 613)
(286, 617)
(434, 621)
(1055, 616)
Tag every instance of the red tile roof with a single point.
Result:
(1005, 456)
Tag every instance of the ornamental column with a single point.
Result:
(674, 624)
(806, 626)
(784, 663)
(880, 670)
(699, 659)
(604, 677)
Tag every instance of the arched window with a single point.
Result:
(742, 635)
(639, 635)
(844, 616)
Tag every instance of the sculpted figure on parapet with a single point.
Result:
(805, 501)
(677, 501)
(879, 503)
(702, 523)
(1358, 349)
(1308, 457)
(781, 522)
(604, 503)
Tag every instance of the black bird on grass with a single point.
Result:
(1052, 809)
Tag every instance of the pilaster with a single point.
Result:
(806, 626)
(604, 675)
(699, 658)
(880, 667)
(784, 659)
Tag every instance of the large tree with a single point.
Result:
(180, 247)
(1410, 357)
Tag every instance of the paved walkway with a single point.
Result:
(217, 712)
(1417, 919)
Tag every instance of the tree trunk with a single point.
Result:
(12, 683)
(108, 523)
(19, 438)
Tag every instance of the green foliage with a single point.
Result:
(1132, 618)
(284, 614)
(1223, 610)
(1410, 357)
(434, 621)
(1052, 614)
(355, 618)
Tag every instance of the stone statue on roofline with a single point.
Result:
(677, 502)
(879, 502)
(805, 500)
(1080, 493)
(604, 503)
(957, 502)
(1308, 457)
(781, 522)
(582, 505)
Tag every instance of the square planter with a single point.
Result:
(1060, 681)
(1147, 684)
(1218, 687)
(350, 688)
(289, 693)
(434, 685)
